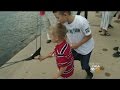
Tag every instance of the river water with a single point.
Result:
(17, 30)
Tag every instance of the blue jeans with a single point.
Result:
(83, 58)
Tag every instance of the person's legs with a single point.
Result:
(84, 59)
(107, 20)
(75, 55)
(85, 65)
(111, 14)
(47, 23)
(52, 20)
(48, 38)
(104, 23)
(101, 24)
(86, 14)
(115, 13)
(78, 12)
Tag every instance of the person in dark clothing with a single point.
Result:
(85, 14)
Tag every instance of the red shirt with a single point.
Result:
(64, 58)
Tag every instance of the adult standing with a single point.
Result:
(85, 14)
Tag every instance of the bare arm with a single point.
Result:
(41, 58)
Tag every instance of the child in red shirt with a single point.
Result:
(62, 51)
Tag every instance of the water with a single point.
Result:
(17, 29)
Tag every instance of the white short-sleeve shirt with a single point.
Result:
(77, 30)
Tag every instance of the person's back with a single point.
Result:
(64, 57)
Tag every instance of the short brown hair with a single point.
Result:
(59, 30)
(62, 12)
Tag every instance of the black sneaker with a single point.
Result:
(115, 48)
(110, 26)
(48, 41)
(89, 76)
(117, 54)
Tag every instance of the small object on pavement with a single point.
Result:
(104, 49)
(101, 68)
(107, 74)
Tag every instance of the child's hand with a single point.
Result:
(50, 54)
(41, 58)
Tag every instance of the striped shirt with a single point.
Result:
(64, 58)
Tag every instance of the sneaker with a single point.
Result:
(115, 48)
(110, 26)
(89, 76)
(48, 41)
(117, 54)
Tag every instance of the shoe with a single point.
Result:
(100, 30)
(89, 76)
(110, 26)
(48, 41)
(117, 54)
(115, 48)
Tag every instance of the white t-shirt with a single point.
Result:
(77, 30)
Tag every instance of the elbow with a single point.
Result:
(90, 36)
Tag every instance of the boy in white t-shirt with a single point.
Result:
(79, 36)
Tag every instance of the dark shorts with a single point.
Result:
(83, 58)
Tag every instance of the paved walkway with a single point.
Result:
(102, 56)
